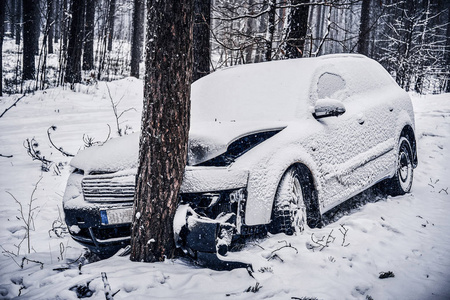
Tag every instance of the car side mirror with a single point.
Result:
(328, 108)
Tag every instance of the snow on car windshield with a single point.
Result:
(275, 91)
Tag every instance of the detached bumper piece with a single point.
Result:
(206, 224)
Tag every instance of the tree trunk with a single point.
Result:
(364, 28)
(57, 24)
(18, 23)
(88, 53)
(297, 28)
(112, 11)
(73, 66)
(270, 30)
(2, 34)
(50, 26)
(249, 29)
(202, 49)
(165, 127)
(37, 26)
(447, 52)
(12, 17)
(137, 37)
(29, 9)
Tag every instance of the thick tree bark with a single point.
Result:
(88, 53)
(165, 127)
(112, 11)
(137, 37)
(73, 66)
(202, 49)
(2, 33)
(29, 29)
(364, 28)
(297, 28)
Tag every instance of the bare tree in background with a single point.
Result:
(30, 9)
(73, 66)
(202, 28)
(364, 29)
(89, 26)
(2, 33)
(137, 38)
(112, 11)
(297, 28)
(165, 127)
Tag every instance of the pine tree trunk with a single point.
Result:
(2, 33)
(165, 127)
(297, 28)
(88, 53)
(29, 28)
(137, 37)
(111, 13)
(202, 49)
(73, 66)
(364, 28)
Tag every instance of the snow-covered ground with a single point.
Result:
(408, 235)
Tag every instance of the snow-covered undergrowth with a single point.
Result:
(408, 235)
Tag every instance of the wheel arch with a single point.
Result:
(314, 217)
(408, 133)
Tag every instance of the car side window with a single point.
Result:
(330, 85)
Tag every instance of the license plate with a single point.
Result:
(116, 216)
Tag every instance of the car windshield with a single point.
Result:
(275, 91)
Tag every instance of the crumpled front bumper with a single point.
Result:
(206, 240)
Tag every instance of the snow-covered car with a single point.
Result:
(272, 146)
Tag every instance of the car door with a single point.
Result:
(344, 145)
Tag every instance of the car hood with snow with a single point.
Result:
(206, 141)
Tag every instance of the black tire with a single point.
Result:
(402, 181)
(295, 205)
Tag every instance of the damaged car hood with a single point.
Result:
(206, 140)
(210, 139)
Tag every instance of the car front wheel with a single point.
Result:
(289, 211)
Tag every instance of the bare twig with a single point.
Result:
(31, 260)
(322, 243)
(287, 245)
(89, 141)
(35, 154)
(444, 190)
(14, 104)
(7, 156)
(10, 255)
(27, 217)
(108, 294)
(344, 231)
(116, 114)
(60, 149)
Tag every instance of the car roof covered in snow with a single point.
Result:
(273, 91)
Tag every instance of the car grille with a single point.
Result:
(109, 187)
